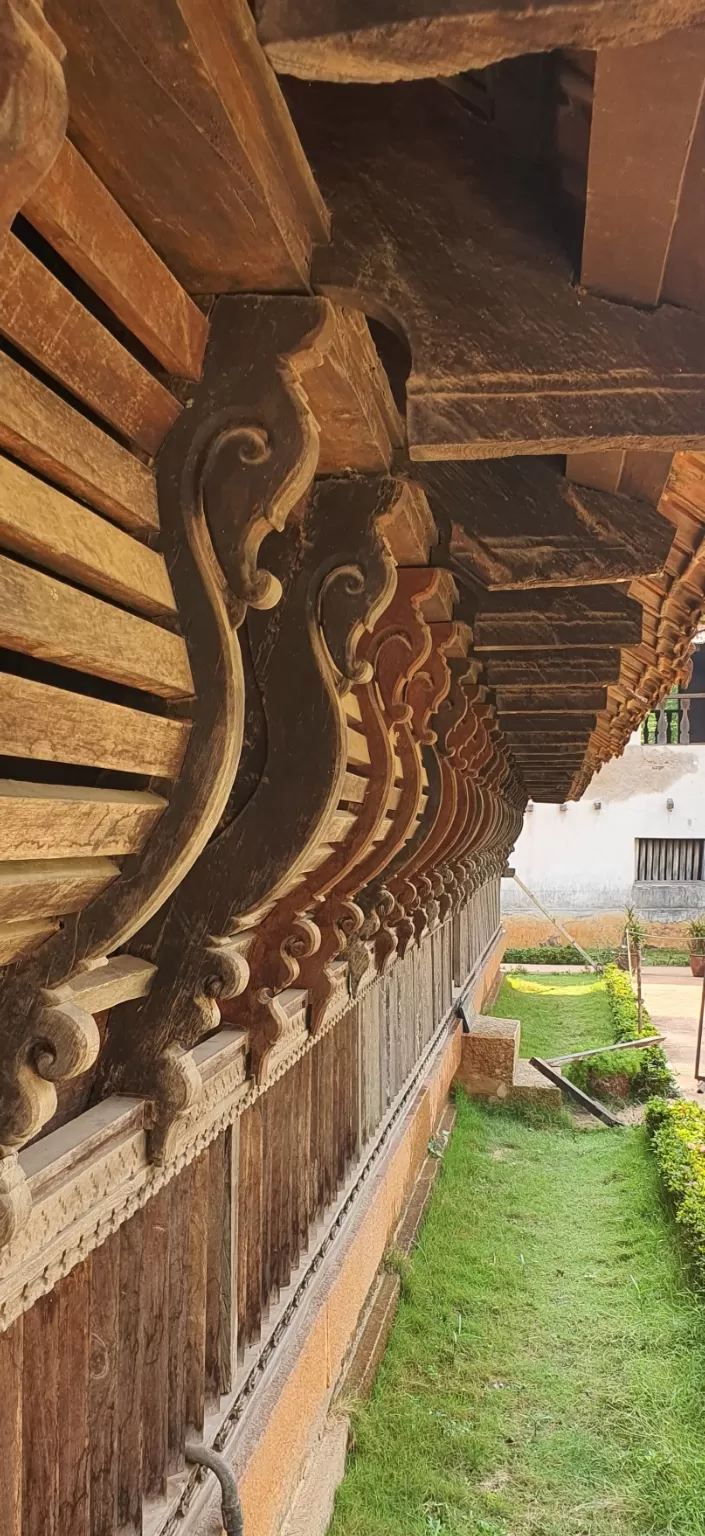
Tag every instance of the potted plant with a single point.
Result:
(696, 945)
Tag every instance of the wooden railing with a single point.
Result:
(669, 725)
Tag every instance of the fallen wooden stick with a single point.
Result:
(583, 1099)
(602, 1050)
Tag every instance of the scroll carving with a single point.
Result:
(230, 470)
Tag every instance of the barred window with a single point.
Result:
(669, 858)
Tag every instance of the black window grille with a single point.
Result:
(669, 858)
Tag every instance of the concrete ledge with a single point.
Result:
(530, 1087)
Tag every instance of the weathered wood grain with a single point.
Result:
(196, 1267)
(44, 617)
(154, 1307)
(44, 320)
(520, 523)
(104, 986)
(52, 530)
(354, 40)
(55, 725)
(69, 822)
(103, 1385)
(582, 616)
(508, 357)
(180, 1217)
(11, 1370)
(23, 935)
(42, 430)
(178, 112)
(127, 1448)
(40, 887)
(74, 211)
(73, 1402)
(40, 1419)
(33, 105)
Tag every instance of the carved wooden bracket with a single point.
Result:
(231, 469)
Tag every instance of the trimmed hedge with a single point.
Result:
(677, 1136)
(565, 954)
(635, 1075)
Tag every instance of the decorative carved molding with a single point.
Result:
(334, 574)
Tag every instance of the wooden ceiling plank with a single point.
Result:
(573, 668)
(508, 356)
(355, 40)
(50, 436)
(44, 320)
(558, 618)
(518, 523)
(178, 112)
(43, 617)
(50, 529)
(56, 725)
(67, 822)
(43, 887)
(82, 221)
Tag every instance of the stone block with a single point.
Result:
(489, 1055)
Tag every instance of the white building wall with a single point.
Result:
(581, 859)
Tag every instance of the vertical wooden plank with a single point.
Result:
(179, 1223)
(266, 1248)
(102, 1394)
(228, 1262)
(250, 1226)
(74, 1378)
(129, 1379)
(315, 1173)
(196, 1266)
(40, 1424)
(214, 1246)
(155, 1331)
(289, 1086)
(11, 1429)
(305, 1131)
(327, 1088)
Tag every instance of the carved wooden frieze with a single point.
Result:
(334, 575)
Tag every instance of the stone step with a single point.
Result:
(489, 1055)
(529, 1085)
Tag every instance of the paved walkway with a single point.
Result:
(672, 998)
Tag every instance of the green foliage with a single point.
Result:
(636, 928)
(565, 954)
(677, 1134)
(558, 1013)
(631, 1075)
(544, 1374)
(696, 936)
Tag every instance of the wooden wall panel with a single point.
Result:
(104, 1379)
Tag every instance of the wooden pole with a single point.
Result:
(700, 1033)
(556, 924)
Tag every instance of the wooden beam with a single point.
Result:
(44, 320)
(508, 357)
(519, 523)
(582, 616)
(578, 668)
(559, 698)
(59, 726)
(41, 430)
(77, 215)
(68, 822)
(178, 112)
(377, 40)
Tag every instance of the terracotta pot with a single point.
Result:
(697, 964)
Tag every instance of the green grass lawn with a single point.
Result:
(546, 1371)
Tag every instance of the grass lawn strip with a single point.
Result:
(545, 1373)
